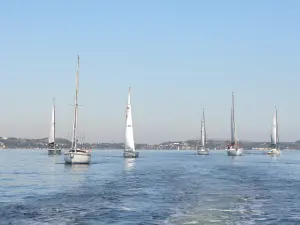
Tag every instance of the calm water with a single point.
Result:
(160, 187)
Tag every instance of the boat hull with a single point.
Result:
(54, 151)
(274, 152)
(77, 158)
(202, 152)
(234, 152)
(131, 154)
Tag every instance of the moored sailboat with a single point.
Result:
(202, 150)
(76, 155)
(233, 149)
(129, 151)
(52, 147)
(275, 149)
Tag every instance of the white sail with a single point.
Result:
(202, 145)
(233, 126)
(274, 132)
(232, 129)
(129, 140)
(203, 132)
(51, 139)
(275, 149)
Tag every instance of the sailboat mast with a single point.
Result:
(277, 135)
(54, 120)
(51, 139)
(204, 129)
(74, 141)
(233, 121)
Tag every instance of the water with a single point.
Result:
(160, 187)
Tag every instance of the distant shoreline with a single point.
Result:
(42, 143)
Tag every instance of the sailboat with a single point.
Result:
(202, 148)
(52, 147)
(76, 155)
(275, 150)
(129, 151)
(233, 149)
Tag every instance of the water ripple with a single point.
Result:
(162, 187)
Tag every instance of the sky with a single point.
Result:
(177, 56)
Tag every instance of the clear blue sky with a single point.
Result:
(178, 57)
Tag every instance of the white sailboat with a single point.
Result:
(233, 149)
(129, 151)
(275, 149)
(76, 155)
(202, 148)
(52, 147)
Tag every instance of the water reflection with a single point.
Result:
(52, 168)
(77, 167)
(274, 157)
(129, 163)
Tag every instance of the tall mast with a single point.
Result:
(233, 120)
(74, 141)
(54, 119)
(204, 129)
(277, 135)
(51, 139)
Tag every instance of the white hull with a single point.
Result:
(78, 157)
(274, 152)
(130, 154)
(203, 152)
(234, 152)
(55, 151)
